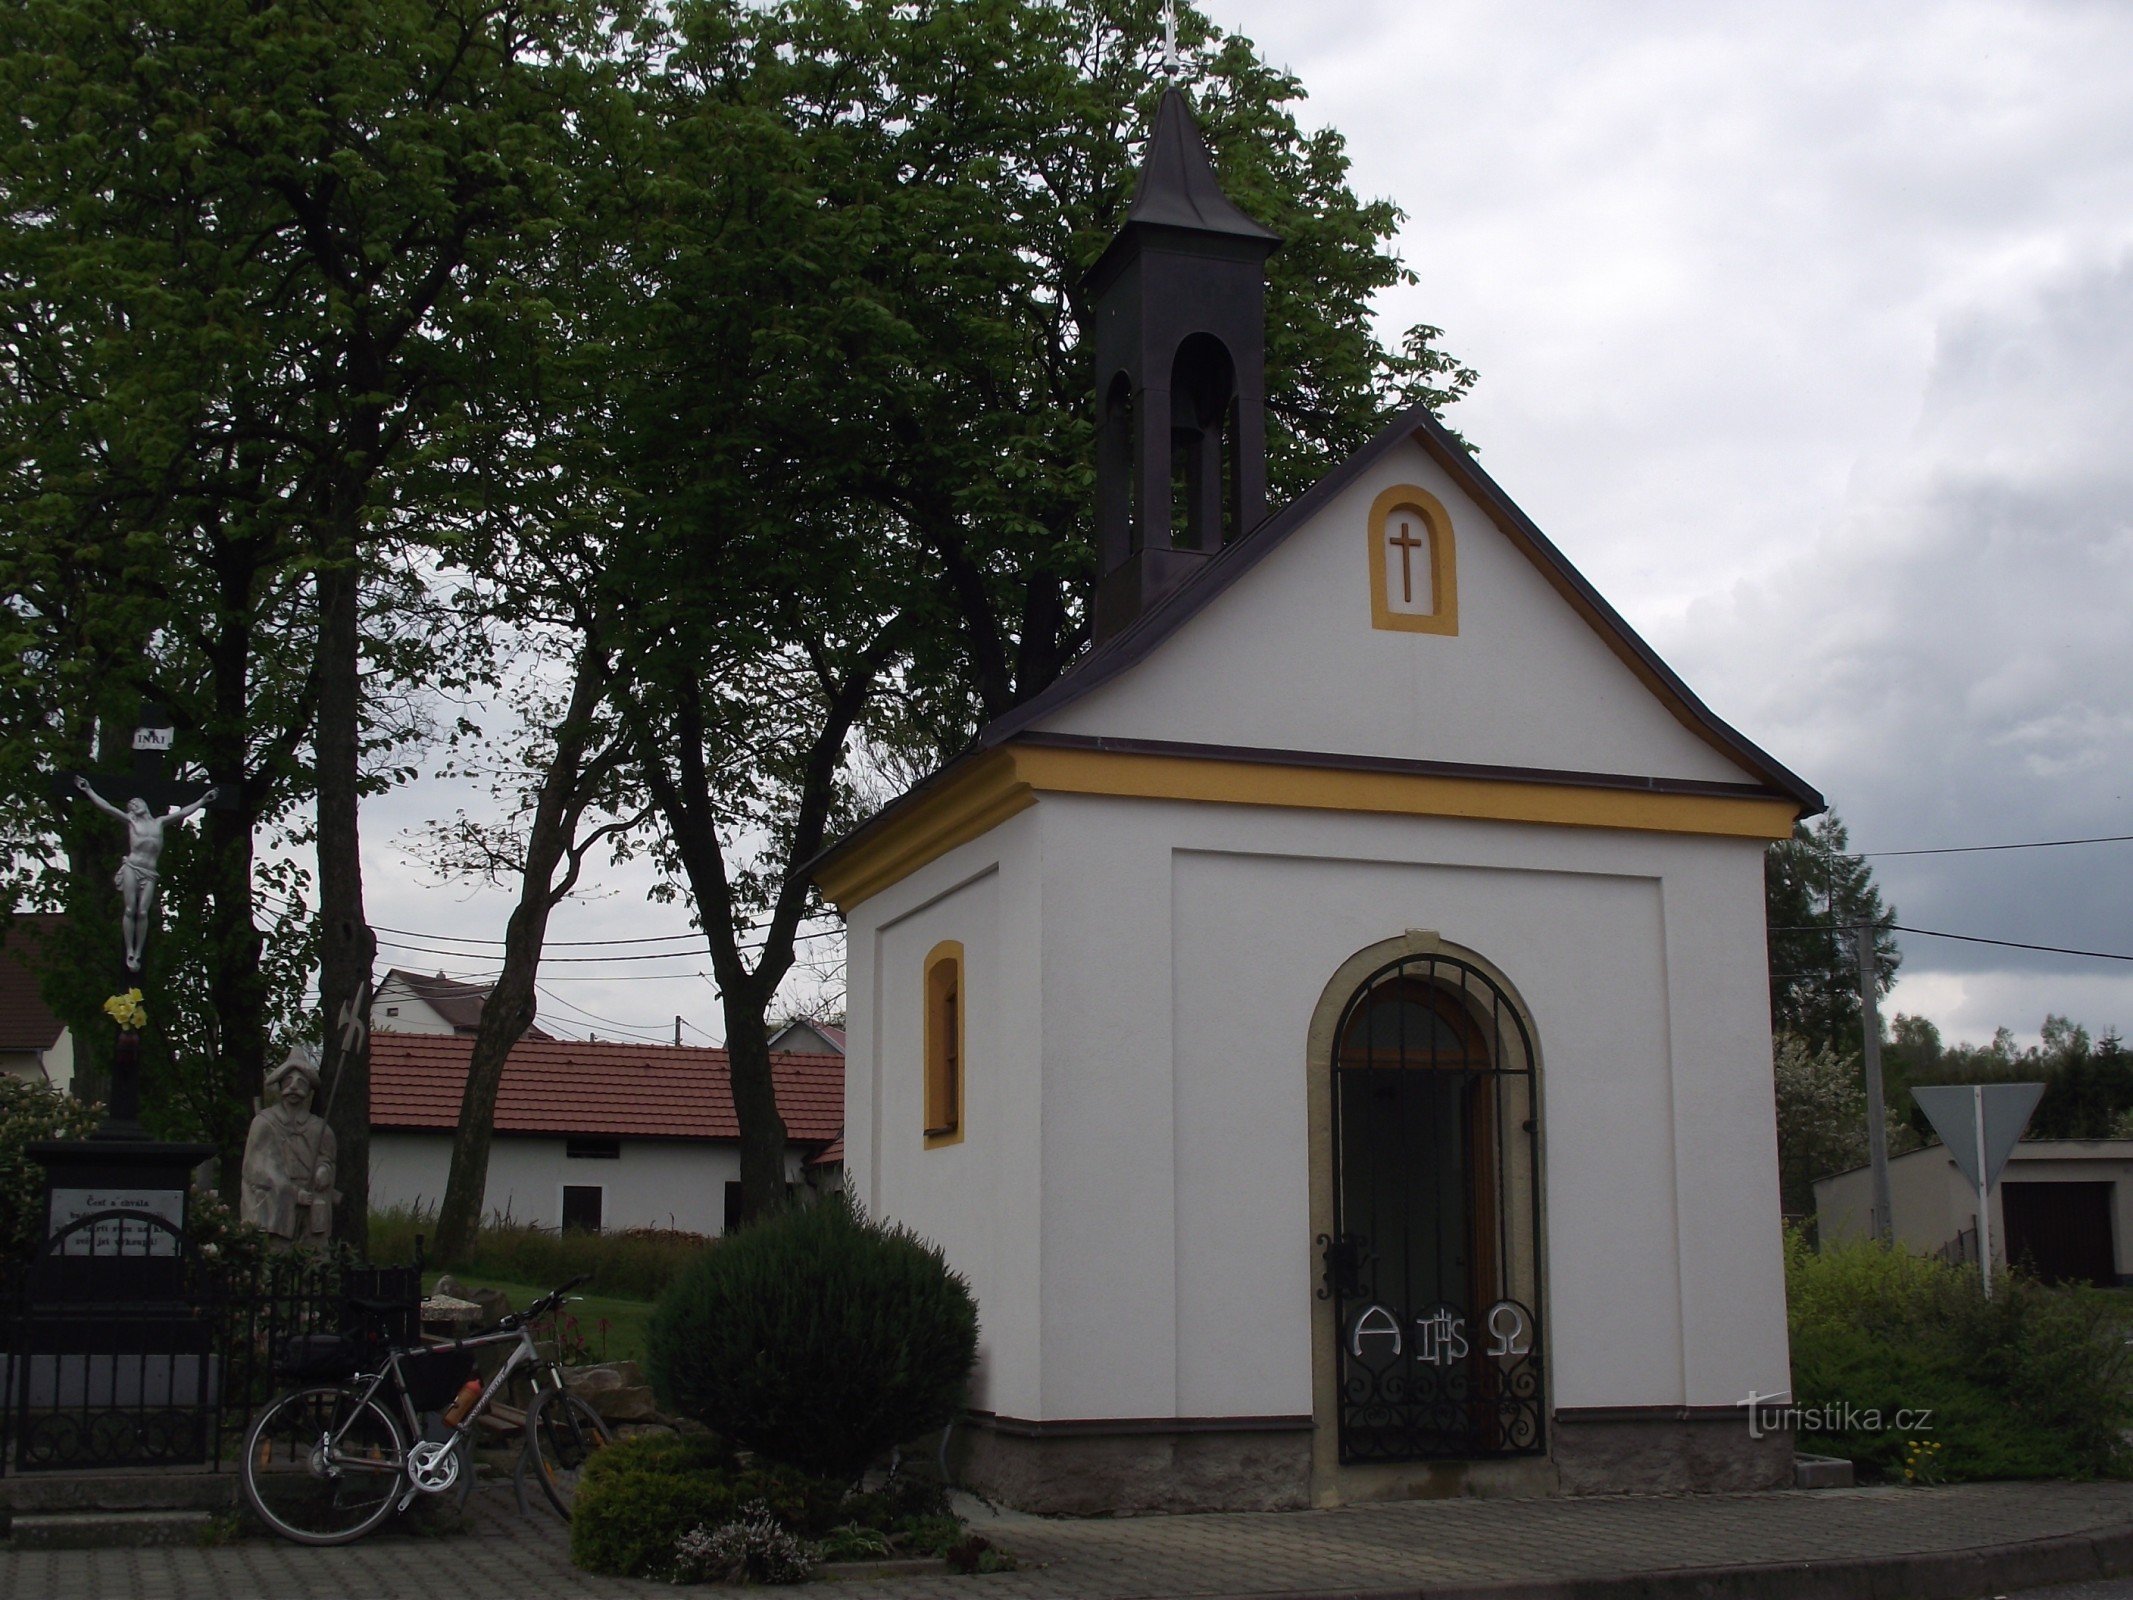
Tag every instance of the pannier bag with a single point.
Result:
(312, 1357)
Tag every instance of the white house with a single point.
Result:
(410, 1002)
(590, 1134)
(1329, 1026)
(2063, 1207)
(34, 1043)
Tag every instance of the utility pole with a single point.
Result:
(1877, 1135)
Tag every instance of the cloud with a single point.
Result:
(1951, 658)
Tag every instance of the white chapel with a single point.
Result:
(1329, 1027)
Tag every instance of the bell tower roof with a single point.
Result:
(1178, 187)
(1178, 331)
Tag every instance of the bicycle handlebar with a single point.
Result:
(540, 1308)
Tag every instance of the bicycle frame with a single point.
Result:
(425, 1467)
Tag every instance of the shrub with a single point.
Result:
(752, 1548)
(632, 1264)
(30, 1112)
(816, 1337)
(636, 1499)
(2028, 1384)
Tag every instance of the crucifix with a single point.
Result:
(1406, 543)
(152, 801)
(146, 791)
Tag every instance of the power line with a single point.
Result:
(562, 944)
(2011, 944)
(647, 955)
(1975, 849)
(608, 1022)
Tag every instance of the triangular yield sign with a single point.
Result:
(1954, 1109)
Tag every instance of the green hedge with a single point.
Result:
(637, 1264)
(817, 1338)
(2029, 1384)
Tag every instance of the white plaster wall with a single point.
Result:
(1933, 1201)
(977, 1199)
(1286, 658)
(395, 1008)
(654, 1183)
(1185, 948)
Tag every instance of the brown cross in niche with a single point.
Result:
(1406, 544)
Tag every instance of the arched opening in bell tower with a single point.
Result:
(1203, 444)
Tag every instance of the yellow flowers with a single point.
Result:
(126, 1009)
(1921, 1462)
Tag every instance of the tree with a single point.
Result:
(1821, 1118)
(858, 454)
(302, 220)
(1815, 892)
(543, 850)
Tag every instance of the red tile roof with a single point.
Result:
(573, 1086)
(26, 1022)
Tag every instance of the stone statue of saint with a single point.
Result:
(136, 878)
(288, 1159)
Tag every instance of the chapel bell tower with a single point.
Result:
(1179, 301)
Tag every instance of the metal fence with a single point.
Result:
(122, 1346)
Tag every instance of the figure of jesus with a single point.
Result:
(136, 878)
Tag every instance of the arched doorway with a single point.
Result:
(1431, 1266)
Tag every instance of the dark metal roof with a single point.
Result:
(1178, 187)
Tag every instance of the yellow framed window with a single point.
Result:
(945, 1005)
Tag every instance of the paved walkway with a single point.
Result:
(1912, 1541)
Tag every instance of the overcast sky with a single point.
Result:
(1806, 331)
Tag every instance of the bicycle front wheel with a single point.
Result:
(562, 1432)
(324, 1466)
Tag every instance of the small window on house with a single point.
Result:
(581, 1207)
(944, 1044)
(392, 1011)
(592, 1149)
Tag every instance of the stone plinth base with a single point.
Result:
(1667, 1449)
(1092, 1468)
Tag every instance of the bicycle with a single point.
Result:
(327, 1463)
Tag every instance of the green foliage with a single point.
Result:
(2032, 1383)
(2088, 1084)
(30, 1112)
(1821, 1118)
(1815, 893)
(631, 1264)
(816, 1337)
(637, 1498)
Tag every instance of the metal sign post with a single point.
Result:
(1980, 1123)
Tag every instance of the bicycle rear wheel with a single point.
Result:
(324, 1466)
(562, 1432)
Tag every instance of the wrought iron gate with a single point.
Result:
(1433, 1270)
(112, 1360)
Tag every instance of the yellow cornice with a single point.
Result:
(969, 802)
(1002, 782)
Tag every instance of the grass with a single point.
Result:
(635, 1264)
(621, 1340)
